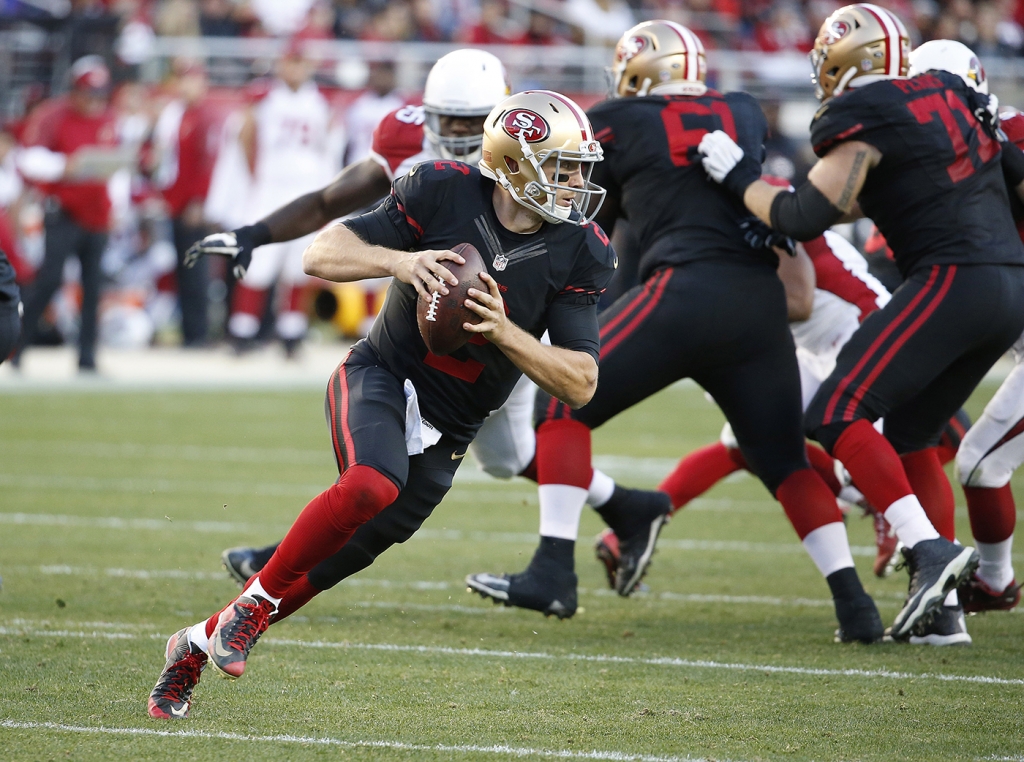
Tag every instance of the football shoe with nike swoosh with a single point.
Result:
(171, 698)
(238, 628)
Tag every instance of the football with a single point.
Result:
(440, 318)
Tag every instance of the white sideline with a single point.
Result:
(657, 661)
(510, 751)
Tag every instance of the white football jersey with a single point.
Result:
(294, 145)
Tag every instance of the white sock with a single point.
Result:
(257, 589)
(996, 567)
(908, 519)
(197, 636)
(829, 548)
(601, 488)
(560, 509)
(952, 599)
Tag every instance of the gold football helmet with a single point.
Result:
(857, 42)
(658, 57)
(537, 129)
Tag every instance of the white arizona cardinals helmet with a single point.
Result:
(465, 82)
(951, 56)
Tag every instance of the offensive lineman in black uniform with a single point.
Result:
(920, 157)
(400, 417)
(711, 308)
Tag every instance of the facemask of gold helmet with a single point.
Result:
(858, 42)
(658, 58)
(540, 130)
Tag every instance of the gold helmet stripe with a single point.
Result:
(891, 26)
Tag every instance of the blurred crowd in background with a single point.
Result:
(109, 172)
(992, 27)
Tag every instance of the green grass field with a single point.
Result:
(114, 508)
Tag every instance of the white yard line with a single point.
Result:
(500, 750)
(662, 661)
(451, 535)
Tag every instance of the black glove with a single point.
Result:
(760, 236)
(236, 244)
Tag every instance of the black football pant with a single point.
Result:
(193, 285)
(66, 237)
(724, 325)
(917, 360)
(365, 410)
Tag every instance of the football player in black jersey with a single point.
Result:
(10, 308)
(400, 417)
(710, 308)
(919, 156)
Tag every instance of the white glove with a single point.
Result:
(721, 154)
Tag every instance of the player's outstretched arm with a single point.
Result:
(569, 375)
(358, 186)
(829, 195)
(337, 254)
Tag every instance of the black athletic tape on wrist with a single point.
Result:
(1013, 165)
(804, 214)
(255, 235)
(742, 176)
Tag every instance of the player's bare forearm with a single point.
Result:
(337, 254)
(358, 186)
(797, 276)
(758, 198)
(567, 374)
(840, 175)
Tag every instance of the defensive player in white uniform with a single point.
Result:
(287, 140)
(994, 446)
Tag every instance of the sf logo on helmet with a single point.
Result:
(838, 30)
(632, 47)
(528, 124)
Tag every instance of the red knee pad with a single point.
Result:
(563, 453)
(360, 494)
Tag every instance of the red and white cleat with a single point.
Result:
(171, 698)
(975, 596)
(238, 628)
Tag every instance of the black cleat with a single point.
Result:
(238, 628)
(544, 586)
(936, 567)
(649, 511)
(859, 620)
(171, 698)
(241, 564)
(946, 628)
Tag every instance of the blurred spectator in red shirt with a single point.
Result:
(493, 27)
(183, 159)
(77, 205)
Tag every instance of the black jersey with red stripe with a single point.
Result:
(655, 179)
(938, 194)
(549, 280)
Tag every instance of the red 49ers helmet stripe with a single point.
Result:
(586, 131)
(691, 44)
(893, 31)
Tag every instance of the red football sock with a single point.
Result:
(808, 502)
(873, 464)
(326, 524)
(992, 512)
(251, 301)
(737, 457)
(698, 472)
(298, 595)
(563, 453)
(823, 463)
(530, 472)
(929, 482)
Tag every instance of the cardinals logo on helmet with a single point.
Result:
(526, 124)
